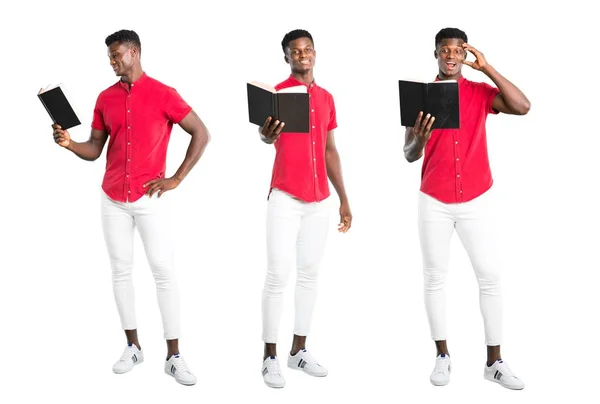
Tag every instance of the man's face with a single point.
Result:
(450, 55)
(122, 57)
(300, 54)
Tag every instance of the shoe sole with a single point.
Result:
(439, 384)
(179, 381)
(274, 386)
(129, 370)
(294, 367)
(503, 385)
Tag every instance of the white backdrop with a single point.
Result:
(60, 328)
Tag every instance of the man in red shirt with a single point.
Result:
(136, 116)
(298, 210)
(455, 194)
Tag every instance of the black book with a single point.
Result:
(58, 107)
(288, 105)
(438, 98)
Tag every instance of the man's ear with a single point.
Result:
(435, 54)
(287, 60)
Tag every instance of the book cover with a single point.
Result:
(58, 107)
(438, 98)
(289, 105)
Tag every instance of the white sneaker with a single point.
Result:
(271, 372)
(441, 373)
(304, 361)
(177, 368)
(500, 373)
(131, 356)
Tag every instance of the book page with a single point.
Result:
(264, 86)
(295, 89)
(49, 87)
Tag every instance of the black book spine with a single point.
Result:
(275, 107)
(426, 99)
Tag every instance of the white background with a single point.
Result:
(60, 330)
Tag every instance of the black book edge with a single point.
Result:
(45, 106)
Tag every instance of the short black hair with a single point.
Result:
(450, 33)
(124, 36)
(293, 35)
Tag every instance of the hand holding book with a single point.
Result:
(61, 137)
(271, 130)
(422, 128)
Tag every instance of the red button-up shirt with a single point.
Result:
(455, 165)
(299, 168)
(138, 121)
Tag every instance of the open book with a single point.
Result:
(288, 105)
(58, 107)
(438, 98)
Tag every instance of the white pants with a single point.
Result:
(473, 223)
(296, 235)
(119, 219)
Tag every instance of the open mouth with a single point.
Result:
(451, 65)
(305, 62)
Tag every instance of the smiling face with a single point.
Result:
(123, 57)
(301, 54)
(450, 55)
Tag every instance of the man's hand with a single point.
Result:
(61, 137)
(161, 186)
(422, 128)
(270, 131)
(480, 63)
(345, 218)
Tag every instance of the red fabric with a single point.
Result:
(455, 165)
(300, 168)
(139, 123)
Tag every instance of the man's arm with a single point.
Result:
(200, 137)
(334, 173)
(89, 150)
(511, 100)
(415, 138)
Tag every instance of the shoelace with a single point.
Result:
(308, 358)
(180, 364)
(273, 367)
(441, 365)
(127, 353)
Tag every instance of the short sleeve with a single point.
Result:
(489, 93)
(332, 115)
(98, 120)
(174, 106)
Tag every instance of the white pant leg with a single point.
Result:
(118, 227)
(283, 223)
(153, 223)
(310, 249)
(436, 225)
(475, 227)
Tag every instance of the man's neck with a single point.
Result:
(442, 76)
(306, 78)
(133, 76)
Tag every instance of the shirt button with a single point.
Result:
(313, 126)
(458, 175)
(456, 142)
(457, 159)
(129, 127)
(312, 110)
(315, 159)
(128, 143)
(128, 159)
(128, 111)
(127, 175)
(129, 192)
(315, 175)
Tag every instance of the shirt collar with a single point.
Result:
(297, 82)
(139, 82)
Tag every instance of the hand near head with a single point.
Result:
(271, 130)
(61, 137)
(480, 63)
